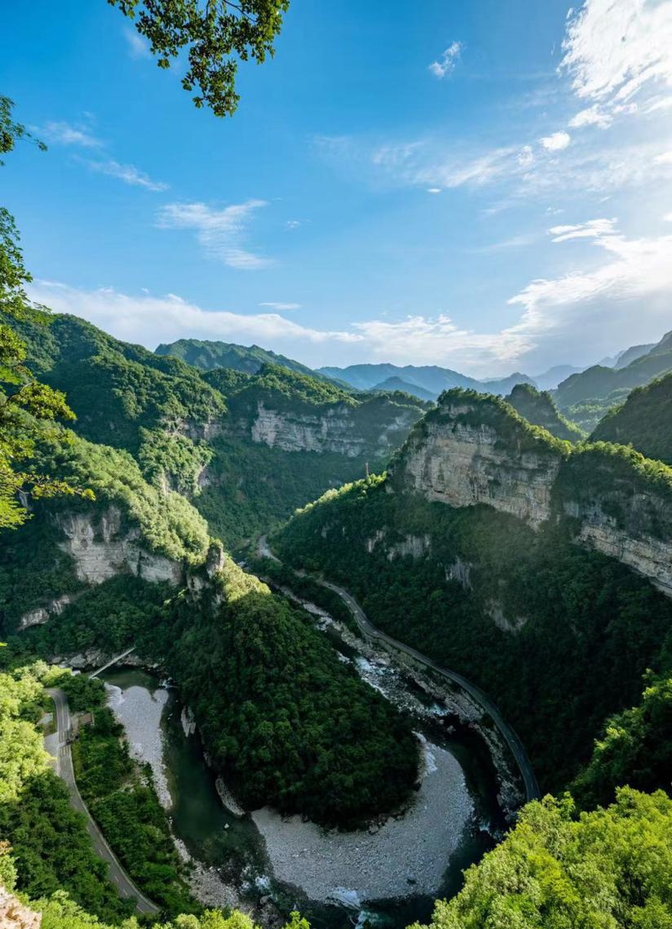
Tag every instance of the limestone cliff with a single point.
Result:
(476, 450)
(621, 504)
(102, 547)
(340, 428)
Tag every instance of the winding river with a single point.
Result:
(389, 873)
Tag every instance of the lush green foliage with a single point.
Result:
(644, 421)
(538, 408)
(557, 635)
(287, 722)
(209, 356)
(52, 847)
(212, 39)
(23, 399)
(634, 491)
(120, 796)
(168, 523)
(636, 749)
(469, 408)
(279, 388)
(253, 487)
(118, 390)
(608, 869)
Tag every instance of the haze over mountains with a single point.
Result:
(583, 394)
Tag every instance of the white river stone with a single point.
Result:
(365, 866)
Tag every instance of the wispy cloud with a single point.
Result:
(619, 52)
(624, 297)
(593, 229)
(81, 136)
(447, 62)
(62, 133)
(281, 307)
(221, 232)
(138, 47)
(129, 174)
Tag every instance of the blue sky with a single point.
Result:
(477, 184)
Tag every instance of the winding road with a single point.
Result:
(59, 746)
(512, 740)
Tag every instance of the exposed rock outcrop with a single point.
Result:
(338, 429)
(102, 548)
(42, 614)
(456, 459)
(14, 915)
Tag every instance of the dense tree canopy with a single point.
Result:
(603, 870)
(215, 35)
(24, 401)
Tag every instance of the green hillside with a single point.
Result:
(191, 430)
(643, 421)
(208, 355)
(538, 408)
(587, 396)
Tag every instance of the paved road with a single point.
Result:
(516, 747)
(60, 748)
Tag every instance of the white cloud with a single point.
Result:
(293, 224)
(281, 307)
(526, 156)
(667, 218)
(220, 232)
(616, 50)
(62, 133)
(593, 229)
(556, 141)
(446, 63)
(129, 174)
(664, 159)
(433, 190)
(623, 299)
(138, 47)
(80, 136)
(591, 116)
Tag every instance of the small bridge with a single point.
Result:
(109, 664)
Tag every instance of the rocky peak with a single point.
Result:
(476, 449)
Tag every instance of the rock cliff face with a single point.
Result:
(338, 429)
(14, 915)
(457, 461)
(474, 450)
(43, 613)
(635, 528)
(101, 549)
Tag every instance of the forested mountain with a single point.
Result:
(397, 383)
(643, 421)
(500, 550)
(208, 355)
(539, 409)
(247, 448)
(586, 397)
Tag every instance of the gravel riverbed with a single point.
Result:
(406, 855)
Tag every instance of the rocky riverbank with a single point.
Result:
(407, 854)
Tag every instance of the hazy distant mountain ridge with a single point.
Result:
(587, 396)
(432, 379)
